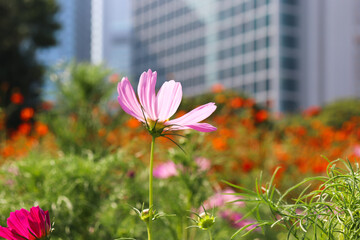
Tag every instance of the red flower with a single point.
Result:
(25, 128)
(41, 129)
(312, 111)
(261, 116)
(17, 98)
(23, 224)
(237, 102)
(26, 114)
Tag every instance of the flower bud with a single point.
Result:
(145, 215)
(205, 221)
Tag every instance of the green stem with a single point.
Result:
(151, 204)
(210, 236)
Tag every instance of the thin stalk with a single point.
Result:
(210, 236)
(151, 204)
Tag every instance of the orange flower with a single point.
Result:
(236, 102)
(302, 165)
(261, 116)
(8, 151)
(17, 98)
(217, 88)
(319, 167)
(41, 129)
(312, 111)
(249, 102)
(111, 137)
(225, 132)
(24, 128)
(280, 153)
(102, 132)
(300, 131)
(220, 119)
(26, 114)
(219, 144)
(247, 166)
(133, 123)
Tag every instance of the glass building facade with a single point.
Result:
(249, 45)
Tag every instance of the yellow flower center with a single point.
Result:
(156, 125)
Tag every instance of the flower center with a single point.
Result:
(155, 127)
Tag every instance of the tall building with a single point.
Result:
(332, 57)
(275, 50)
(73, 39)
(97, 31)
(111, 34)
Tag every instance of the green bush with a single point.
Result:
(72, 188)
(337, 113)
(82, 94)
(94, 199)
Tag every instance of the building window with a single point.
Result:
(268, 63)
(288, 105)
(289, 20)
(289, 63)
(290, 2)
(289, 41)
(289, 84)
(267, 84)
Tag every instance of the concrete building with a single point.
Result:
(288, 54)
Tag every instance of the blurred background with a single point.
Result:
(287, 54)
(285, 75)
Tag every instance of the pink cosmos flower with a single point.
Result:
(165, 170)
(203, 164)
(156, 110)
(222, 198)
(236, 220)
(356, 150)
(23, 224)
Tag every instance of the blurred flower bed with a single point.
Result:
(82, 148)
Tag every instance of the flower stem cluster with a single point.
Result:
(329, 212)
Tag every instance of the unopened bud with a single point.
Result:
(145, 215)
(205, 221)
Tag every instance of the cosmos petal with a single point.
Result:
(202, 127)
(6, 233)
(168, 99)
(196, 115)
(37, 221)
(128, 101)
(147, 95)
(18, 221)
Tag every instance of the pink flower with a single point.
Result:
(203, 164)
(156, 110)
(23, 224)
(236, 221)
(219, 199)
(356, 150)
(165, 170)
